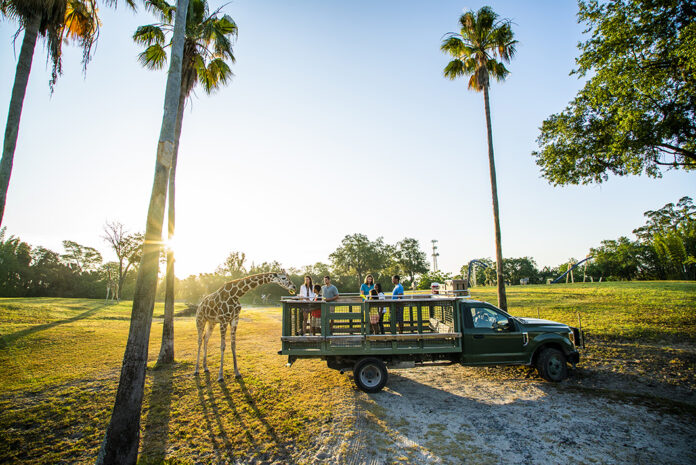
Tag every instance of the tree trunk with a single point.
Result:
(166, 354)
(19, 90)
(120, 444)
(502, 299)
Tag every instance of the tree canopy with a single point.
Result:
(636, 113)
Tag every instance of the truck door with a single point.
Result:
(489, 336)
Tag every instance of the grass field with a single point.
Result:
(60, 360)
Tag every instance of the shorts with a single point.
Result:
(315, 312)
(399, 313)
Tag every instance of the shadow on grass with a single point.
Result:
(212, 413)
(257, 413)
(155, 437)
(6, 340)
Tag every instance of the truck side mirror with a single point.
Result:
(501, 325)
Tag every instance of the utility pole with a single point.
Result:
(435, 255)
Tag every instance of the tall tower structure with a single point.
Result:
(435, 254)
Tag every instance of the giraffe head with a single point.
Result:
(281, 278)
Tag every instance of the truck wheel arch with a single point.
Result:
(540, 349)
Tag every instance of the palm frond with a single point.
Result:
(453, 45)
(163, 10)
(154, 57)
(149, 34)
(454, 69)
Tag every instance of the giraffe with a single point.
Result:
(112, 287)
(222, 306)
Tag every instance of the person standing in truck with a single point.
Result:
(306, 293)
(398, 293)
(330, 293)
(367, 286)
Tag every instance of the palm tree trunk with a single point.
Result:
(19, 90)
(166, 354)
(120, 445)
(502, 298)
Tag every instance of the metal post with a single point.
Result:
(435, 255)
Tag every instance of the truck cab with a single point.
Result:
(491, 336)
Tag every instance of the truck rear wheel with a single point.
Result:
(370, 374)
(552, 365)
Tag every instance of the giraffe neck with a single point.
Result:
(248, 283)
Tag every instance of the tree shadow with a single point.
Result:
(257, 413)
(6, 340)
(212, 414)
(156, 434)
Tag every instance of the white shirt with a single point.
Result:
(306, 292)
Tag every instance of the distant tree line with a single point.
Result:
(664, 248)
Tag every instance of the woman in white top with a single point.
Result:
(306, 293)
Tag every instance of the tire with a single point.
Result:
(370, 374)
(552, 365)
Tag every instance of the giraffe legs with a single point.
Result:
(233, 346)
(204, 330)
(223, 334)
(200, 325)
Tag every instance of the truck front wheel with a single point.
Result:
(552, 365)
(370, 374)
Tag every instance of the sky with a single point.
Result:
(338, 121)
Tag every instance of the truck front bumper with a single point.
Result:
(574, 357)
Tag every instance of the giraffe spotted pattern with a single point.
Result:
(222, 307)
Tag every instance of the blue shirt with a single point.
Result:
(365, 289)
(398, 290)
(329, 291)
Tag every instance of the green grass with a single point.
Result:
(59, 368)
(60, 361)
(622, 311)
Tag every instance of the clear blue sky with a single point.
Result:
(338, 121)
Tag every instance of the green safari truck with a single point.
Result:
(369, 336)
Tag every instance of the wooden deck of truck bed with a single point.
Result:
(430, 326)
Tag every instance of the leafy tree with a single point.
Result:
(410, 258)
(15, 259)
(636, 112)
(127, 247)
(617, 258)
(233, 266)
(57, 21)
(671, 234)
(426, 279)
(358, 255)
(516, 269)
(482, 39)
(120, 444)
(81, 257)
(208, 44)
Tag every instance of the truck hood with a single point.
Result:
(540, 322)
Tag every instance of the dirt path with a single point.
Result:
(470, 415)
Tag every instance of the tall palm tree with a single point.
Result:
(120, 444)
(56, 21)
(482, 39)
(207, 48)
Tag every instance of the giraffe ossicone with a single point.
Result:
(222, 307)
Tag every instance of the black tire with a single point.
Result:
(370, 374)
(552, 365)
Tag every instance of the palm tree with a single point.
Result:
(120, 444)
(207, 46)
(56, 21)
(482, 38)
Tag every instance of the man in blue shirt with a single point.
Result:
(398, 293)
(328, 290)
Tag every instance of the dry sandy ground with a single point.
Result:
(503, 415)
